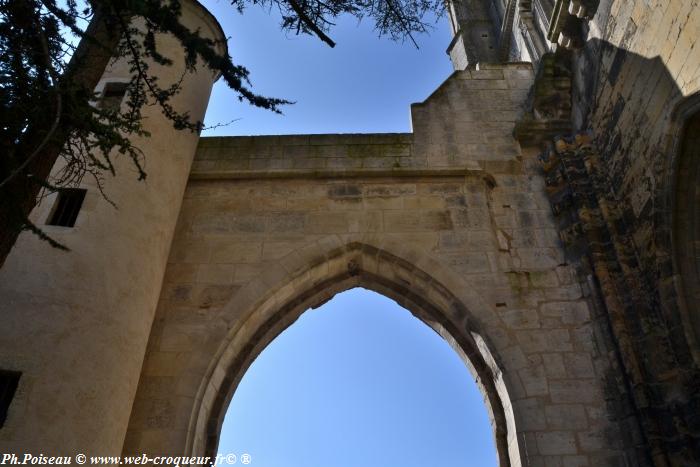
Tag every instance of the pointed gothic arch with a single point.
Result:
(353, 265)
(683, 218)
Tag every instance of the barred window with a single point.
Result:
(68, 204)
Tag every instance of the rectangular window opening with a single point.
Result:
(112, 95)
(9, 380)
(67, 206)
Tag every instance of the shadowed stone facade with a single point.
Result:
(541, 217)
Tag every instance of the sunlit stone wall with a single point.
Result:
(457, 200)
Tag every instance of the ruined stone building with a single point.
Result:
(543, 216)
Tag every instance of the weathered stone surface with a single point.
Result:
(77, 325)
(445, 221)
(570, 293)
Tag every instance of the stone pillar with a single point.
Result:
(76, 323)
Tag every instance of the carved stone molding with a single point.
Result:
(533, 37)
(507, 27)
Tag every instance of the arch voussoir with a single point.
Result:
(330, 272)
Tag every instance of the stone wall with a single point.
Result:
(571, 295)
(634, 71)
(452, 221)
(636, 80)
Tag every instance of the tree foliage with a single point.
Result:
(53, 53)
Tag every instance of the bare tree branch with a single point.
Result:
(309, 23)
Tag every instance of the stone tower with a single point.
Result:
(474, 25)
(80, 322)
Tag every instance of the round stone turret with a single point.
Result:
(76, 324)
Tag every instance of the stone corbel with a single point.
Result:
(578, 9)
(566, 23)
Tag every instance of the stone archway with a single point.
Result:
(351, 266)
(685, 198)
(458, 231)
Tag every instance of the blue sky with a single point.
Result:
(363, 85)
(359, 382)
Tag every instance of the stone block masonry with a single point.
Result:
(76, 324)
(451, 220)
(571, 296)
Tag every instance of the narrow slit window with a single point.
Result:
(67, 207)
(112, 95)
(8, 386)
